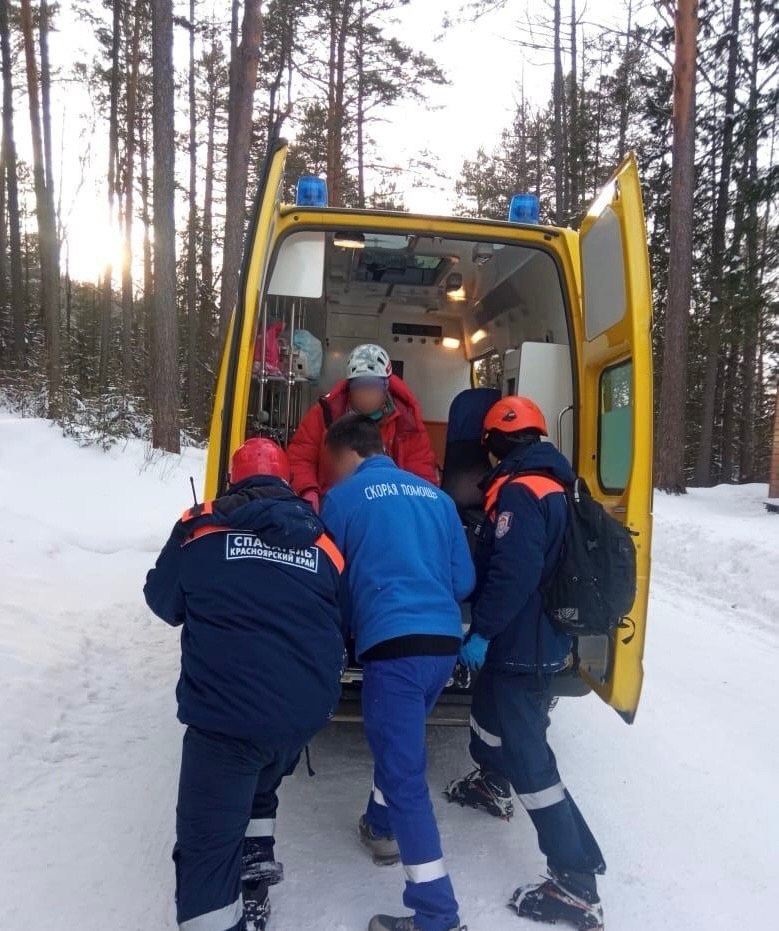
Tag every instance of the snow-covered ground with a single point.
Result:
(684, 803)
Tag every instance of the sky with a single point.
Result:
(482, 61)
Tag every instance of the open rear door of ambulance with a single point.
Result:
(615, 409)
(231, 397)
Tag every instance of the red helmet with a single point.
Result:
(258, 456)
(512, 414)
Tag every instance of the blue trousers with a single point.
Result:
(509, 721)
(397, 697)
(225, 821)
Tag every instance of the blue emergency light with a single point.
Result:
(311, 192)
(524, 208)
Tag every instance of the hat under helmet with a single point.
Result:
(368, 360)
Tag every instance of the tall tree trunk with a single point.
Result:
(751, 314)
(361, 107)
(341, 11)
(165, 376)
(523, 166)
(207, 239)
(673, 386)
(3, 250)
(243, 80)
(573, 136)
(46, 94)
(47, 230)
(624, 103)
(703, 465)
(558, 119)
(773, 487)
(106, 312)
(12, 185)
(146, 339)
(598, 122)
(729, 412)
(129, 196)
(193, 378)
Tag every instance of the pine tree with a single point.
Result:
(165, 376)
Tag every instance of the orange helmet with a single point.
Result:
(512, 414)
(258, 456)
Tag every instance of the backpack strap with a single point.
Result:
(539, 484)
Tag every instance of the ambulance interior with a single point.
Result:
(453, 314)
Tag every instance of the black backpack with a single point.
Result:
(594, 585)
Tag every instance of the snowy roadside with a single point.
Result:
(682, 802)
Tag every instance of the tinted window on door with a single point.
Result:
(615, 442)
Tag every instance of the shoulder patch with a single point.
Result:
(503, 524)
(203, 509)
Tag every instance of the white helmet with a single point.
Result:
(368, 360)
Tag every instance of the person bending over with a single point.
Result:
(252, 579)
(408, 566)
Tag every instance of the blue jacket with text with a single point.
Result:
(407, 559)
(254, 580)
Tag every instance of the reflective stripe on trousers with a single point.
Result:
(261, 827)
(222, 919)
(545, 798)
(425, 872)
(490, 739)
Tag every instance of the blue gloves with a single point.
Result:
(474, 652)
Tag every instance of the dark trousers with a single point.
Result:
(509, 721)
(224, 824)
(397, 697)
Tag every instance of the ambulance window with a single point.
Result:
(487, 372)
(615, 427)
(603, 270)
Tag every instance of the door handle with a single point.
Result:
(560, 416)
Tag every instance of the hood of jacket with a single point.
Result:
(407, 410)
(541, 456)
(266, 506)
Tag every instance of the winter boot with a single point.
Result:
(387, 923)
(254, 869)
(384, 850)
(482, 790)
(554, 900)
(256, 906)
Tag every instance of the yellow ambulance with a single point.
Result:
(558, 315)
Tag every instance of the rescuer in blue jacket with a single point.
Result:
(408, 566)
(253, 579)
(513, 643)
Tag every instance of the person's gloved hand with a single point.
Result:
(473, 652)
(312, 497)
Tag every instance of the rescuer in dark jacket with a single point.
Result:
(517, 650)
(253, 579)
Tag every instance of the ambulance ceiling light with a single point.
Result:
(478, 336)
(450, 342)
(455, 291)
(347, 240)
(524, 208)
(311, 192)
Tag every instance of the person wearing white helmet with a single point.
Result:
(370, 389)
